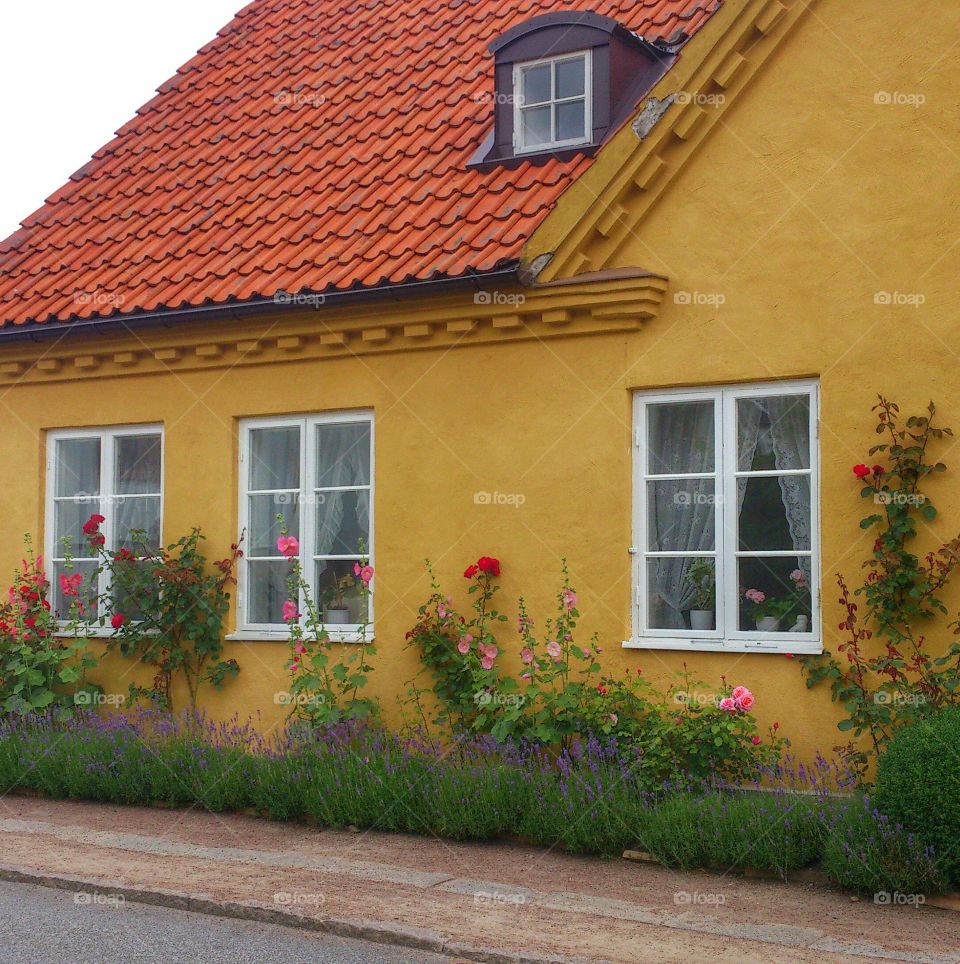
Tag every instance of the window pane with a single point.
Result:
(536, 126)
(680, 515)
(570, 78)
(339, 592)
(275, 458)
(343, 521)
(672, 591)
(343, 454)
(680, 438)
(87, 590)
(137, 514)
(774, 512)
(784, 605)
(69, 517)
(570, 120)
(78, 466)
(536, 84)
(267, 591)
(264, 526)
(137, 464)
(773, 433)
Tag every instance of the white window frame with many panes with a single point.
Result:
(716, 484)
(307, 493)
(521, 107)
(103, 499)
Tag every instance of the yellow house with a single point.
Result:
(616, 285)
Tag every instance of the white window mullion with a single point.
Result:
(308, 510)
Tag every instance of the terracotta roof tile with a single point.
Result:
(313, 144)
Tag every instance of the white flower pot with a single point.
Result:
(337, 617)
(768, 624)
(701, 619)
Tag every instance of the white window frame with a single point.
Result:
(251, 631)
(587, 97)
(727, 636)
(107, 437)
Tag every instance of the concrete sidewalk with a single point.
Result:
(487, 902)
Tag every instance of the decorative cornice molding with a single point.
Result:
(601, 303)
(598, 213)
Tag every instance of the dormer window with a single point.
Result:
(552, 101)
(563, 82)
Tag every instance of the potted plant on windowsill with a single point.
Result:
(336, 611)
(703, 577)
(768, 611)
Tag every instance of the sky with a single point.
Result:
(72, 72)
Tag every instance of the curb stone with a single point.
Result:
(379, 932)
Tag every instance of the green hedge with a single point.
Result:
(918, 784)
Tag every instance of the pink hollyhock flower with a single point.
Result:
(288, 546)
(526, 655)
(463, 647)
(491, 652)
(300, 648)
(290, 611)
(294, 667)
(366, 574)
(118, 620)
(69, 584)
(486, 662)
(569, 598)
(553, 648)
(755, 595)
(525, 676)
(468, 637)
(442, 611)
(356, 568)
(755, 741)
(728, 704)
(614, 719)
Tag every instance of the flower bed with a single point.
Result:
(590, 798)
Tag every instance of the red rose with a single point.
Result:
(489, 565)
(118, 620)
(878, 470)
(861, 471)
(470, 572)
(97, 540)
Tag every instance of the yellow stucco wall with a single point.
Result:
(805, 201)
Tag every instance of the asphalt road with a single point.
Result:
(40, 925)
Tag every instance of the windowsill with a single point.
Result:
(781, 647)
(283, 636)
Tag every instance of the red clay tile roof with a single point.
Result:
(313, 145)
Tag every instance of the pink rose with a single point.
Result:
(728, 704)
(746, 701)
(755, 741)
(739, 691)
